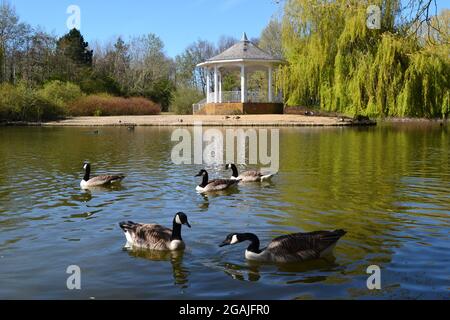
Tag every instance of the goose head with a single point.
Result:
(181, 219)
(232, 167)
(87, 171)
(86, 166)
(201, 173)
(231, 239)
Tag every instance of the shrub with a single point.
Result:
(105, 105)
(183, 100)
(20, 103)
(60, 93)
(11, 102)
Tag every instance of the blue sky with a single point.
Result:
(177, 22)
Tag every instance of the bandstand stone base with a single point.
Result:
(235, 108)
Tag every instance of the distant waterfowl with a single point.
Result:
(290, 248)
(214, 185)
(248, 176)
(154, 236)
(98, 181)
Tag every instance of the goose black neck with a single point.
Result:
(254, 242)
(87, 173)
(235, 171)
(176, 231)
(205, 180)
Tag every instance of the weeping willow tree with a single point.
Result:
(337, 63)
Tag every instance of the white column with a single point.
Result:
(208, 85)
(216, 85)
(243, 85)
(270, 84)
(220, 87)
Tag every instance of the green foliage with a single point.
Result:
(161, 92)
(183, 100)
(73, 46)
(20, 103)
(93, 84)
(60, 93)
(339, 64)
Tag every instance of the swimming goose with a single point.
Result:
(290, 248)
(99, 181)
(214, 185)
(154, 236)
(248, 176)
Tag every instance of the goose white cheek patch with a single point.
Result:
(177, 220)
(234, 240)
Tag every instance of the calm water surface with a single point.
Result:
(389, 187)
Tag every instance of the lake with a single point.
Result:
(388, 186)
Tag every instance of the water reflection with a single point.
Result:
(305, 271)
(246, 272)
(179, 271)
(388, 186)
(105, 188)
(84, 196)
(222, 193)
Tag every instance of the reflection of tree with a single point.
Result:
(354, 179)
(180, 273)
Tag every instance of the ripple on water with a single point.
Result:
(391, 195)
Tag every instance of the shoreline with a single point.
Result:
(165, 120)
(274, 120)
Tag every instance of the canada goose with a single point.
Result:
(247, 176)
(154, 236)
(214, 185)
(88, 182)
(290, 248)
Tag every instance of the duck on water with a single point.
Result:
(248, 176)
(155, 236)
(214, 185)
(296, 247)
(99, 181)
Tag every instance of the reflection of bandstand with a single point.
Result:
(245, 57)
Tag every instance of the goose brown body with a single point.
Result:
(289, 248)
(98, 181)
(214, 185)
(248, 176)
(155, 236)
(148, 236)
